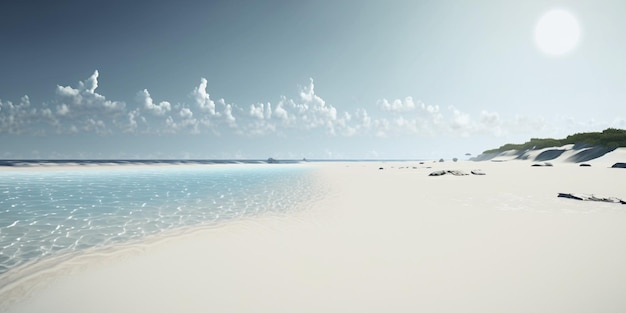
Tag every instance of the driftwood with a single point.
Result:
(444, 172)
(585, 197)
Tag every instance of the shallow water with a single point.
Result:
(48, 213)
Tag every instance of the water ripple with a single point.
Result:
(46, 213)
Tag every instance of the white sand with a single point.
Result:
(392, 240)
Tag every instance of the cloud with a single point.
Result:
(63, 109)
(80, 108)
(397, 105)
(261, 111)
(202, 98)
(185, 113)
(15, 118)
(280, 112)
(314, 111)
(134, 118)
(460, 120)
(491, 122)
(432, 109)
(146, 100)
(97, 126)
(256, 111)
(228, 113)
(85, 96)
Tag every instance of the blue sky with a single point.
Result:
(294, 79)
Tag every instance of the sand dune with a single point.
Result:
(391, 240)
(565, 154)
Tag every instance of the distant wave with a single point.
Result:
(68, 162)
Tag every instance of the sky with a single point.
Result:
(300, 79)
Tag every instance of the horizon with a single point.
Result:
(401, 80)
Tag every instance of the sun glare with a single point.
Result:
(557, 32)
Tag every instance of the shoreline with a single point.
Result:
(391, 238)
(135, 166)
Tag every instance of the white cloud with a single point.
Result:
(97, 126)
(186, 113)
(85, 95)
(280, 112)
(202, 98)
(397, 105)
(460, 120)
(256, 111)
(63, 109)
(432, 109)
(82, 109)
(91, 83)
(228, 113)
(314, 112)
(17, 118)
(46, 112)
(171, 125)
(159, 109)
(132, 121)
(491, 122)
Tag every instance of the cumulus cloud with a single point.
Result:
(432, 109)
(186, 113)
(280, 112)
(97, 126)
(63, 109)
(397, 105)
(261, 111)
(460, 120)
(14, 118)
(146, 100)
(256, 111)
(134, 120)
(202, 98)
(81, 108)
(86, 96)
(228, 113)
(314, 110)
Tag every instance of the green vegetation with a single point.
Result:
(608, 138)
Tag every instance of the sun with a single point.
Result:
(557, 32)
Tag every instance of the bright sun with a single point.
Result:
(557, 32)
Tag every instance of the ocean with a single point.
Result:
(60, 210)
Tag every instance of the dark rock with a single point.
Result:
(477, 172)
(444, 172)
(455, 159)
(440, 160)
(437, 173)
(585, 165)
(457, 173)
(380, 168)
(619, 165)
(545, 164)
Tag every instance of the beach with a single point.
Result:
(385, 236)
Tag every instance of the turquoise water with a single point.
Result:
(51, 212)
